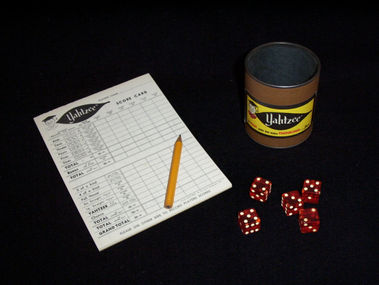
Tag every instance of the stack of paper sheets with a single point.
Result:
(113, 150)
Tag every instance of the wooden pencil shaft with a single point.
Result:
(173, 176)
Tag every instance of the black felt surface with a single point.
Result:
(196, 58)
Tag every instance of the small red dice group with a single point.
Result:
(248, 219)
(293, 203)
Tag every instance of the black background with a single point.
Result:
(196, 57)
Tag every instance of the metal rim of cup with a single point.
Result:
(294, 45)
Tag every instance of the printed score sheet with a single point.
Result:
(113, 150)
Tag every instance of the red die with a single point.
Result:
(311, 191)
(249, 221)
(309, 221)
(260, 189)
(291, 202)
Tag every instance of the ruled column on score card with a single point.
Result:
(104, 157)
(121, 133)
(149, 184)
(191, 168)
(157, 183)
(112, 139)
(138, 132)
(204, 166)
(129, 144)
(133, 206)
(155, 119)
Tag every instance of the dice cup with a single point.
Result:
(281, 82)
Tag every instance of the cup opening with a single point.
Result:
(282, 64)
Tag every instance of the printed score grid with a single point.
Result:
(124, 155)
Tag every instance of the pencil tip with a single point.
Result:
(180, 138)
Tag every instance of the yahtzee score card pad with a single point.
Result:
(113, 150)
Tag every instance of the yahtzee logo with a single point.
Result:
(80, 113)
(280, 121)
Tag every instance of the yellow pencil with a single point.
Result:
(171, 185)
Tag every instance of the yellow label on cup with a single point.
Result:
(275, 121)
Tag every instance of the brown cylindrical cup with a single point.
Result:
(281, 82)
